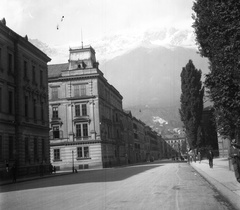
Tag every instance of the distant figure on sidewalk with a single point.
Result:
(199, 157)
(7, 166)
(235, 159)
(14, 173)
(210, 158)
(41, 169)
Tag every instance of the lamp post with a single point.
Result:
(72, 161)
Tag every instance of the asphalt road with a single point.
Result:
(152, 186)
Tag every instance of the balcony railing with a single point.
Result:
(56, 135)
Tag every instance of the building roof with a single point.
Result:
(55, 70)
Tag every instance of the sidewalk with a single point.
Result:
(34, 177)
(221, 178)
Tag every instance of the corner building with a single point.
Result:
(84, 114)
(24, 128)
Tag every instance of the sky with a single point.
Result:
(91, 19)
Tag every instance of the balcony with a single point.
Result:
(56, 120)
(82, 118)
(55, 135)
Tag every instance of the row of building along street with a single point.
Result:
(65, 115)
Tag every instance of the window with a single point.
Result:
(10, 148)
(42, 112)
(56, 132)
(56, 154)
(77, 110)
(0, 99)
(134, 126)
(54, 92)
(78, 130)
(82, 130)
(117, 134)
(85, 129)
(25, 69)
(26, 106)
(83, 90)
(109, 131)
(34, 109)
(41, 78)
(33, 74)
(84, 109)
(0, 59)
(26, 150)
(83, 152)
(80, 110)
(10, 102)
(79, 90)
(35, 148)
(10, 68)
(43, 149)
(1, 147)
(55, 112)
(76, 90)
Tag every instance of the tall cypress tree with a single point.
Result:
(191, 102)
(217, 25)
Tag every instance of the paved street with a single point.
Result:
(158, 185)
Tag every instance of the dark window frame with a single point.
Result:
(55, 112)
(56, 132)
(56, 154)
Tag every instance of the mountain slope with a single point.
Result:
(151, 76)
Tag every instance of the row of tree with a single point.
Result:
(217, 29)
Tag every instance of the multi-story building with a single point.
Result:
(85, 114)
(178, 145)
(128, 135)
(24, 128)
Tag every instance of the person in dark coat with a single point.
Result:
(210, 158)
(235, 158)
(14, 173)
(50, 168)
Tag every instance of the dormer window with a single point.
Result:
(81, 65)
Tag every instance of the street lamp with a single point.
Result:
(72, 161)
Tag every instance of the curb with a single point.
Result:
(230, 196)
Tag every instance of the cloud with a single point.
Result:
(38, 19)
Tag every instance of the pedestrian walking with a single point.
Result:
(14, 173)
(210, 158)
(7, 166)
(41, 169)
(235, 158)
(199, 157)
(50, 168)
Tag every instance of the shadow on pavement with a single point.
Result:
(90, 176)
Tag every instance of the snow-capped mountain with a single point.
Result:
(117, 44)
(114, 45)
(159, 120)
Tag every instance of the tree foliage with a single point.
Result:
(217, 28)
(191, 102)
